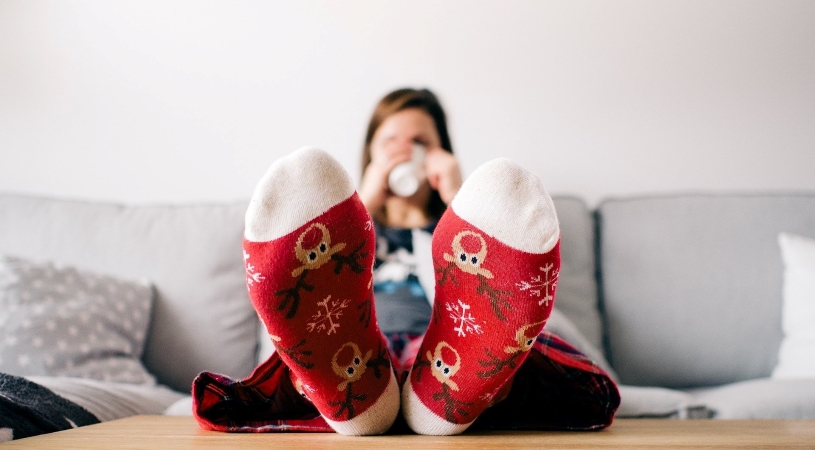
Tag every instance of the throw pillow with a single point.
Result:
(796, 356)
(62, 321)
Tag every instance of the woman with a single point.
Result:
(401, 119)
(465, 341)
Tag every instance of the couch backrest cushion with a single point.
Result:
(691, 285)
(576, 295)
(202, 317)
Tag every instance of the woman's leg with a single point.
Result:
(309, 249)
(496, 253)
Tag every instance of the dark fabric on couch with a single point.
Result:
(28, 409)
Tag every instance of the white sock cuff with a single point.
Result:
(424, 421)
(294, 190)
(509, 203)
(375, 420)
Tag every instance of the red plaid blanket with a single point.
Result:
(556, 388)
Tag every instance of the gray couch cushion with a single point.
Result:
(692, 285)
(656, 402)
(576, 295)
(202, 317)
(761, 399)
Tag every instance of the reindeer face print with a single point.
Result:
(495, 364)
(444, 369)
(469, 250)
(469, 253)
(522, 339)
(353, 369)
(314, 248)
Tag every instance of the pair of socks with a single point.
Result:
(309, 249)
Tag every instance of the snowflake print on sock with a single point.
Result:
(252, 277)
(463, 318)
(542, 284)
(327, 319)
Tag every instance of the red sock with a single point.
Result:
(497, 256)
(309, 249)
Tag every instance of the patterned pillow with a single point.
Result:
(61, 321)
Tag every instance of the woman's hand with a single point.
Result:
(373, 189)
(443, 173)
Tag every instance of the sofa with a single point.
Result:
(678, 297)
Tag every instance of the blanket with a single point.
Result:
(556, 388)
(28, 409)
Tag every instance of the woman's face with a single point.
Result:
(395, 136)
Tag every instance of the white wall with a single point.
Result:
(156, 101)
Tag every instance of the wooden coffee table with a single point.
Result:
(165, 432)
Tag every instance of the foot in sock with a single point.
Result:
(308, 249)
(496, 253)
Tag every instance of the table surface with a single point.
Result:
(167, 432)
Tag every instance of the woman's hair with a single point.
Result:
(400, 100)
